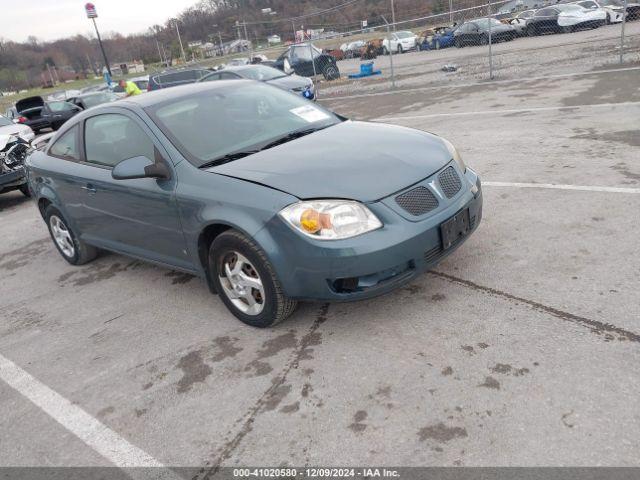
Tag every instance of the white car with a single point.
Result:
(613, 10)
(519, 22)
(572, 15)
(8, 127)
(401, 42)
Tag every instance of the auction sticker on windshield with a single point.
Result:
(309, 113)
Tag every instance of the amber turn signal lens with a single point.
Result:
(310, 220)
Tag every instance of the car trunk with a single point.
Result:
(27, 104)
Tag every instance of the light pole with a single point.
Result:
(90, 8)
(393, 16)
(184, 57)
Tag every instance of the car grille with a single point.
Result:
(418, 201)
(450, 182)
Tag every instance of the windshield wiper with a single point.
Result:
(291, 136)
(229, 157)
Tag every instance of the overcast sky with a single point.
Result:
(53, 19)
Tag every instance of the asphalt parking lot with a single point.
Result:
(521, 349)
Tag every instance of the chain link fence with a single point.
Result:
(468, 43)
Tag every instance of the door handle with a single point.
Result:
(91, 190)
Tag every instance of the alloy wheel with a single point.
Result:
(242, 284)
(62, 236)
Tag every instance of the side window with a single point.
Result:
(111, 138)
(228, 76)
(66, 146)
(212, 77)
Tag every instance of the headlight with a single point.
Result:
(330, 219)
(454, 154)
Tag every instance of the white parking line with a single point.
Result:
(586, 188)
(480, 84)
(88, 429)
(514, 110)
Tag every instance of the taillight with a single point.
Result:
(22, 119)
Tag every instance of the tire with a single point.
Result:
(457, 42)
(24, 189)
(385, 51)
(567, 29)
(437, 44)
(532, 31)
(330, 72)
(73, 250)
(400, 50)
(259, 301)
(608, 19)
(484, 40)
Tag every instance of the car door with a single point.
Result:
(135, 216)
(301, 60)
(56, 113)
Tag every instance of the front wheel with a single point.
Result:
(458, 43)
(400, 49)
(385, 51)
(246, 281)
(72, 249)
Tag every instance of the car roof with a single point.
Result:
(159, 96)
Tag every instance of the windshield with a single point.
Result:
(404, 34)
(260, 72)
(484, 22)
(611, 3)
(227, 119)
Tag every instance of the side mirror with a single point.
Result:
(139, 167)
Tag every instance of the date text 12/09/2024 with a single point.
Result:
(316, 472)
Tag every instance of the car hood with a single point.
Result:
(351, 160)
(16, 129)
(29, 102)
(290, 82)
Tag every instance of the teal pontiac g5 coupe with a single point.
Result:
(267, 196)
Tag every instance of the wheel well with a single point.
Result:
(207, 236)
(43, 203)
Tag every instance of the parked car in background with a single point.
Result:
(173, 78)
(512, 7)
(88, 100)
(305, 60)
(442, 37)
(236, 62)
(519, 22)
(614, 13)
(476, 32)
(62, 95)
(38, 114)
(270, 198)
(13, 151)
(564, 18)
(401, 42)
(262, 73)
(9, 127)
(354, 49)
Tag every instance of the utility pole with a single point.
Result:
(184, 57)
(50, 76)
(93, 14)
(221, 46)
(624, 20)
(393, 15)
(451, 11)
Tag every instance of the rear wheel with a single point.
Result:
(246, 281)
(72, 249)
